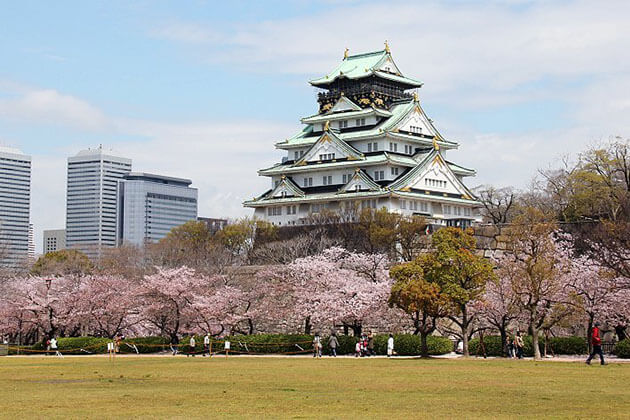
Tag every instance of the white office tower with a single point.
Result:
(54, 240)
(15, 199)
(91, 205)
(151, 205)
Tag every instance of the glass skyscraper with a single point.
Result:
(91, 204)
(15, 200)
(149, 206)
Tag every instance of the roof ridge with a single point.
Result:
(366, 54)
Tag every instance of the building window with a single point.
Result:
(327, 179)
(296, 155)
(415, 129)
(447, 209)
(403, 204)
(343, 124)
(308, 182)
(291, 209)
(395, 171)
(346, 178)
(467, 211)
(393, 147)
(379, 175)
(274, 211)
(408, 149)
(369, 147)
(360, 122)
(424, 207)
(327, 156)
(375, 147)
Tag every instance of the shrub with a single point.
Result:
(146, 344)
(567, 345)
(622, 349)
(270, 343)
(409, 344)
(492, 343)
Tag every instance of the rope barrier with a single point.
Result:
(133, 346)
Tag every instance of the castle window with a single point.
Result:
(395, 171)
(415, 129)
(295, 155)
(327, 156)
(343, 124)
(327, 179)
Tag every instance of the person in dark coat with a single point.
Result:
(370, 344)
(596, 342)
(333, 343)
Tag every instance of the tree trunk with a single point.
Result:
(357, 329)
(534, 332)
(620, 330)
(307, 325)
(424, 348)
(464, 326)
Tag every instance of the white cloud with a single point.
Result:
(48, 106)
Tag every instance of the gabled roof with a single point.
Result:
(365, 112)
(405, 182)
(361, 179)
(344, 104)
(330, 136)
(363, 65)
(460, 170)
(285, 188)
(369, 160)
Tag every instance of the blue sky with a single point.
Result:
(203, 89)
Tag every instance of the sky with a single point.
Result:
(203, 89)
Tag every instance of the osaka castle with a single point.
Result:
(370, 145)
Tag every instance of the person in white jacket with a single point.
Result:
(390, 345)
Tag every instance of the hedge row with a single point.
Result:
(622, 349)
(405, 344)
(555, 345)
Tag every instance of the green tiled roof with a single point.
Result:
(370, 160)
(327, 196)
(319, 118)
(460, 170)
(363, 65)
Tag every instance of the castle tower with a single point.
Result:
(370, 145)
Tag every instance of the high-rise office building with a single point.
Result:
(15, 199)
(54, 240)
(31, 242)
(93, 177)
(149, 206)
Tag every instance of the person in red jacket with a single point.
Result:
(596, 341)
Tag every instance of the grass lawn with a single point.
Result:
(79, 387)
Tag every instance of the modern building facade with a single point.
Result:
(54, 240)
(149, 206)
(15, 205)
(370, 145)
(91, 200)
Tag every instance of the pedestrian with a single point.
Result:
(596, 342)
(117, 341)
(317, 346)
(357, 349)
(510, 346)
(370, 344)
(53, 346)
(226, 347)
(206, 345)
(333, 343)
(390, 345)
(174, 344)
(191, 351)
(518, 343)
(48, 347)
(364, 345)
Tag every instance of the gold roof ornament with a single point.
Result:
(283, 177)
(415, 96)
(327, 125)
(345, 53)
(436, 146)
(387, 47)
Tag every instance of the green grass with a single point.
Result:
(164, 387)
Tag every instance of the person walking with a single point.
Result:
(317, 346)
(206, 345)
(370, 344)
(174, 344)
(333, 343)
(357, 349)
(53, 346)
(390, 345)
(596, 342)
(518, 343)
(192, 344)
(510, 347)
